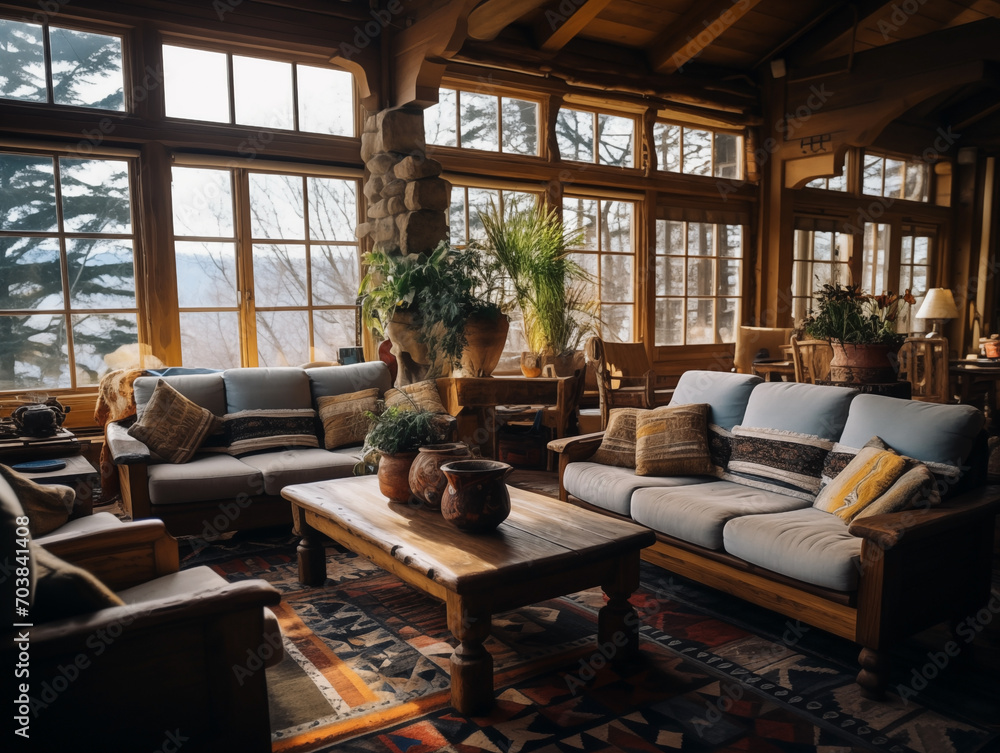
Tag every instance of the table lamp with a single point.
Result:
(938, 305)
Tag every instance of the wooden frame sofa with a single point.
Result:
(911, 569)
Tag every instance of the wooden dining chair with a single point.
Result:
(923, 362)
(811, 359)
(625, 375)
(762, 342)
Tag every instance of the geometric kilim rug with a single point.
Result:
(366, 669)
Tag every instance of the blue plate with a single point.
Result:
(39, 466)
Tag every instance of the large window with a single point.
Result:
(67, 272)
(472, 120)
(283, 297)
(55, 65)
(595, 137)
(224, 88)
(820, 258)
(698, 152)
(896, 178)
(698, 289)
(607, 253)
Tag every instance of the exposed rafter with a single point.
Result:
(555, 27)
(972, 110)
(688, 37)
(834, 32)
(493, 16)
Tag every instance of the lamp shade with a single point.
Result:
(938, 304)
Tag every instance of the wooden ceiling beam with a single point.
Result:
(693, 32)
(828, 38)
(493, 16)
(972, 110)
(555, 28)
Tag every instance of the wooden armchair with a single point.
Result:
(625, 375)
(923, 362)
(750, 341)
(176, 657)
(811, 359)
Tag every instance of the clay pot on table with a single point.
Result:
(394, 475)
(476, 498)
(427, 482)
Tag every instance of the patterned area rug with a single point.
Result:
(366, 669)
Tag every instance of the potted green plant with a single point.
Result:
(861, 327)
(551, 290)
(391, 445)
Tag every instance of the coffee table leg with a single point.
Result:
(617, 621)
(311, 551)
(471, 664)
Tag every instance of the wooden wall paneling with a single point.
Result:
(963, 261)
(645, 272)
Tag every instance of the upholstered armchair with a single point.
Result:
(159, 652)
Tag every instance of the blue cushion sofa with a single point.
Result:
(874, 581)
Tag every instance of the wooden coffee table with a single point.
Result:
(545, 549)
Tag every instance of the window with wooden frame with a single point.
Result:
(833, 183)
(268, 265)
(698, 151)
(821, 251)
(67, 267)
(895, 178)
(56, 65)
(224, 87)
(484, 121)
(916, 251)
(595, 137)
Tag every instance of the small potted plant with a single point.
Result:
(391, 445)
(862, 330)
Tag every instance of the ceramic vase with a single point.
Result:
(427, 482)
(394, 475)
(476, 498)
(531, 364)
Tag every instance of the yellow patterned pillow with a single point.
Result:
(864, 480)
(618, 445)
(417, 396)
(673, 441)
(343, 417)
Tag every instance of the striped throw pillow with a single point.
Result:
(673, 441)
(618, 444)
(864, 480)
(785, 462)
(275, 429)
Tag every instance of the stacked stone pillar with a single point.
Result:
(406, 197)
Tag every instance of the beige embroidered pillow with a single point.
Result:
(673, 441)
(343, 417)
(172, 426)
(417, 396)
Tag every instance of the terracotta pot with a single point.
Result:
(531, 364)
(394, 475)
(427, 482)
(486, 339)
(476, 498)
(564, 364)
(863, 364)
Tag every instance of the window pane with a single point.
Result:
(615, 140)
(667, 139)
(202, 202)
(210, 339)
(440, 119)
(616, 278)
(96, 336)
(921, 248)
(333, 209)
(276, 207)
(616, 323)
(480, 200)
(22, 62)
(697, 152)
(520, 126)
(581, 215)
(36, 359)
(729, 277)
(30, 276)
(731, 241)
(700, 276)
(326, 100)
(919, 281)
(728, 316)
(279, 275)
(335, 275)
(670, 322)
(28, 199)
(700, 321)
(282, 338)
(95, 196)
(906, 250)
(917, 181)
(575, 135)
(334, 329)
(206, 274)
(617, 226)
(86, 69)
(456, 217)
(822, 249)
(587, 262)
(872, 176)
(479, 121)
(837, 182)
(894, 178)
(195, 84)
(672, 240)
(700, 235)
(669, 275)
(727, 155)
(101, 273)
(263, 92)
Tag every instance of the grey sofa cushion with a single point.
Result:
(904, 426)
(266, 389)
(204, 478)
(342, 380)
(726, 393)
(805, 408)
(207, 390)
(611, 488)
(699, 513)
(809, 545)
(299, 466)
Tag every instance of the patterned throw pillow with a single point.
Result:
(47, 506)
(673, 441)
(618, 445)
(275, 429)
(916, 489)
(838, 458)
(417, 396)
(720, 447)
(343, 417)
(785, 462)
(864, 480)
(172, 426)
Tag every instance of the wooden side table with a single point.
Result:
(79, 474)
